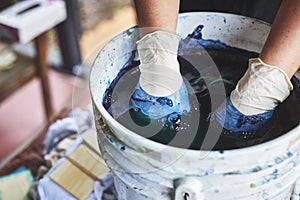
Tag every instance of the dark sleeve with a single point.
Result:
(261, 9)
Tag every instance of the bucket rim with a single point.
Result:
(147, 143)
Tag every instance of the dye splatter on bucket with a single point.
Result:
(145, 169)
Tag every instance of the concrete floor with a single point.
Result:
(22, 114)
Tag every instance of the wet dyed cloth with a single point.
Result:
(236, 122)
(158, 107)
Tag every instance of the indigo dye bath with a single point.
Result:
(198, 57)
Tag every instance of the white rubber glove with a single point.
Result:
(261, 88)
(251, 104)
(160, 74)
(161, 91)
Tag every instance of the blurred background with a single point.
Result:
(23, 111)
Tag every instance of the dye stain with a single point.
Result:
(189, 130)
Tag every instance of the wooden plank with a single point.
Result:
(90, 139)
(73, 180)
(88, 161)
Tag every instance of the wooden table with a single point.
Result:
(25, 69)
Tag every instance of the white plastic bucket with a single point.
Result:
(144, 169)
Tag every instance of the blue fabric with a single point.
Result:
(237, 122)
(159, 107)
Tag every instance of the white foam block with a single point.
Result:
(26, 20)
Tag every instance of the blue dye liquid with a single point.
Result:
(232, 64)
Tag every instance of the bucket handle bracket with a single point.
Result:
(188, 188)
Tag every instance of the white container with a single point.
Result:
(144, 169)
(25, 20)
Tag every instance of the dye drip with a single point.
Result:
(192, 128)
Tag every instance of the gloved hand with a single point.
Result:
(252, 103)
(161, 90)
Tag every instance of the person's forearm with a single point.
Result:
(157, 15)
(282, 47)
